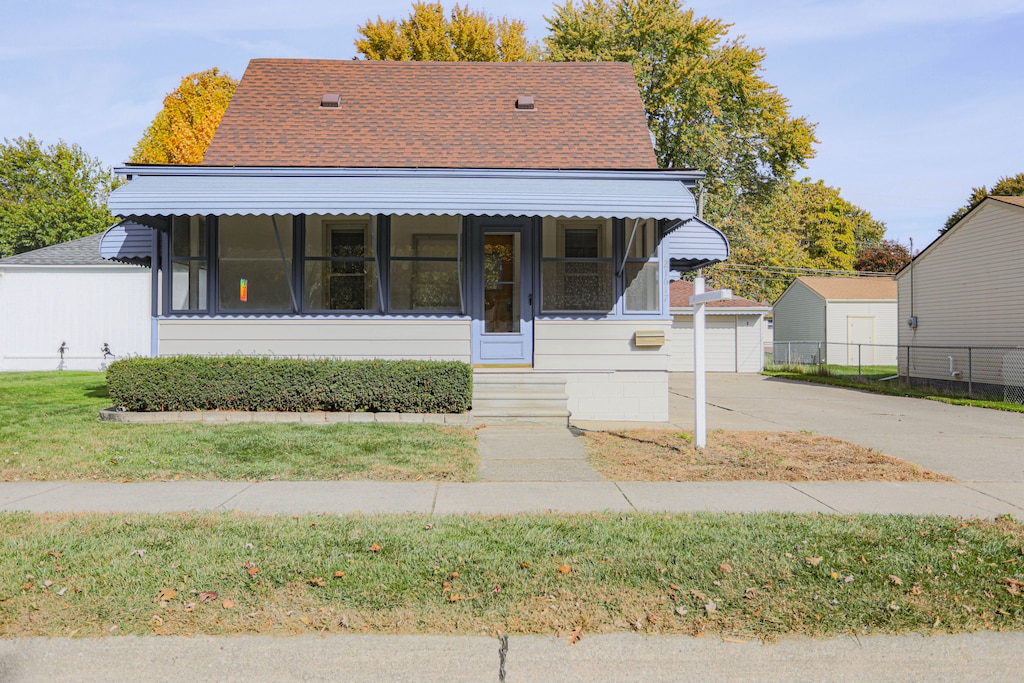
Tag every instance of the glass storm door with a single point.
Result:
(502, 287)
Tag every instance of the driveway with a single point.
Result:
(971, 444)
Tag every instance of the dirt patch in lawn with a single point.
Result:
(662, 455)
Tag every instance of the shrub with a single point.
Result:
(289, 384)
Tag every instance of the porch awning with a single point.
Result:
(127, 242)
(191, 190)
(694, 244)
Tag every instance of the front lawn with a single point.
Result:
(745, 576)
(49, 430)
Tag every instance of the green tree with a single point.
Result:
(462, 36)
(706, 102)
(800, 225)
(50, 194)
(182, 130)
(1007, 186)
(888, 256)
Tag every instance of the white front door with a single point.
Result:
(860, 330)
(501, 290)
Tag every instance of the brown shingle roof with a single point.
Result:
(852, 287)
(1019, 201)
(434, 114)
(680, 292)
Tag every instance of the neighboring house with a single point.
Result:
(734, 337)
(964, 292)
(509, 215)
(837, 320)
(67, 296)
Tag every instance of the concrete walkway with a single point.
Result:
(532, 453)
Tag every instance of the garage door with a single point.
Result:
(719, 340)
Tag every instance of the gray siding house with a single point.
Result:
(961, 303)
(511, 216)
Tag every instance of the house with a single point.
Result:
(838, 320)
(961, 304)
(508, 215)
(734, 332)
(64, 307)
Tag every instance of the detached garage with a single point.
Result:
(733, 333)
(837, 320)
(67, 296)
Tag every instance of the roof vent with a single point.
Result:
(524, 102)
(331, 99)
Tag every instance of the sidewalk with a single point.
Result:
(300, 497)
(471, 659)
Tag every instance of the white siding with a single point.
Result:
(837, 325)
(732, 343)
(968, 290)
(597, 345)
(83, 307)
(799, 315)
(351, 338)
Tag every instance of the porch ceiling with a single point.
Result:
(157, 191)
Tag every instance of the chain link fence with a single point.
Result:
(973, 371)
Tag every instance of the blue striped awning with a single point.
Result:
(127, 242)
(197, 190)
(694, 244)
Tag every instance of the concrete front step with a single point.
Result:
(519, 397)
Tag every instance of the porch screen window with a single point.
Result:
(339, 269)
(254, 259)
(425, 263)
(577, 268)
(641, 267)
(189, 263)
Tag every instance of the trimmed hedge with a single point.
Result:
(289, 384)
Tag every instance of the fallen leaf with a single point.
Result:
(227, 604)
(445, 587)
(813, 561)
(138, 551)
(915, 589)
(375, 548)
(53, 553)
(750, 594)
(190, 607)
(896, 581)
(454, 597)
(496, 589)
(318, 581)
(725, 568)
(166, 593)
(253, 571)
(339, 575)
(697, 594)
(835, 575)
(525, 565)
(682, 611)
(453, 576)
(576, 636)
(157, 620)
(710, 606)
(564, 569)
(675, 587)
(208, 596)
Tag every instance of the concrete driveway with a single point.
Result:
(971, 444)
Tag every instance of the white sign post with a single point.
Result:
(699, 298)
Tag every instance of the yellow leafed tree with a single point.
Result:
(182, 130)
(428, 35)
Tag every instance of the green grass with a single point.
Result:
(755, 575)
(870, 380)
(49, 429)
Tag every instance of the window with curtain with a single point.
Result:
(577, 269)
(339, 271)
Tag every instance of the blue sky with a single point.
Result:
(916, 101)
